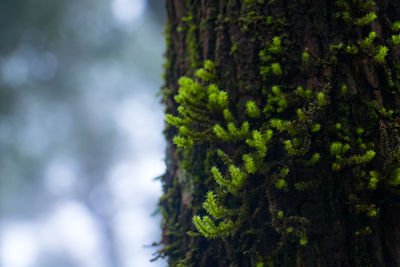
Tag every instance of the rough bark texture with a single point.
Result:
(341, 209)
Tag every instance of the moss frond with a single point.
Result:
(212, 207)
(252, 110)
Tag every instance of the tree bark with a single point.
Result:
(318, 84)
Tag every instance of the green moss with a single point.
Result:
(386, 113)
(360, 159)
(316, 127)
(395, 178)
(276, 101)
(367, 42)
(280, 125)
(204, 75)
(269, 20)
(289, 147)
(281, 184)
(276, 69)
(209, 229)
(352, 49)
(191, 42)
(248, 2)
(249, 164)
(373, 181)
(183, 142)
(367, 19)
(396, 39)
(228, 115)
(344, 90)
(300, 91)
(280, 214)
(221, 133)
(303, 240)
(275, 47)
(337, 47)
(213, 208)
(336, 148)
(259, 141)
(321, 99)
(192, 45)
(300, 114)
(336, 166)
(252, 110)
(264, 55)
(249, 19)
(314, 159)
(396, 26)
(305, 57)
(234, 48)
(381, 55)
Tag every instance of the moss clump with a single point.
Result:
(305, 57)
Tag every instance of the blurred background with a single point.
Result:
(80, 132)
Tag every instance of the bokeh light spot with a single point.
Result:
(127, 11)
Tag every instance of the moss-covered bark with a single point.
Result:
(303, 156)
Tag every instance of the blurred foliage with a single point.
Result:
(65, 68)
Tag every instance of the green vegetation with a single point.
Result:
(382, 52)
(302, 131)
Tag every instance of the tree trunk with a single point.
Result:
(283, 135)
